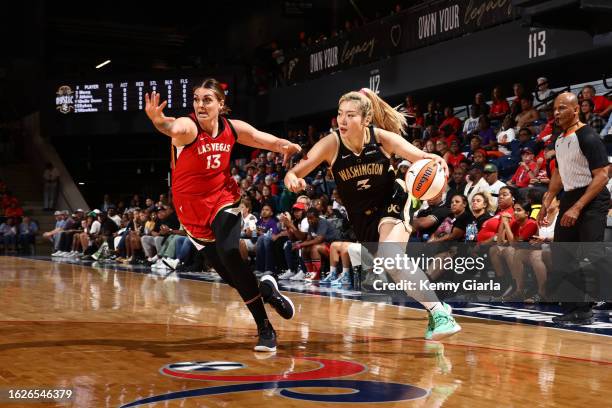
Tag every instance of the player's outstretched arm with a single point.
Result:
(395, 144)
(322, 151)
(181, 130)
(249, 136)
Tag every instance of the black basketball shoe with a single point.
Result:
(267, 338)
(270, 294)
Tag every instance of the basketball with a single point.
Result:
(425, 179)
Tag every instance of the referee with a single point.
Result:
(582, 173)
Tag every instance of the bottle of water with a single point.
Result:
(470, 232)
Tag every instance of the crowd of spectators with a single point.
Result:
(500, 157)
(17, 231)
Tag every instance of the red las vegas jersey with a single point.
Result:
(202, 167)
(201, 182)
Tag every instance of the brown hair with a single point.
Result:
(247, 203)
(215, 86)
(378, 111)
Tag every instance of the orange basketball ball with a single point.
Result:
(425, 179)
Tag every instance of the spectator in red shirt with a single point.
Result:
(500, 106)
(13, 210)
(255, 154)
(603, 106)
(480, 157)
(450, 119)
(525, 171)
(270, 182)
(417, 124)
(7, 199)
(410, 106)
(448, 135)
(547, 134)
(520, 229)
(455, 157)
(523, 228)
(492, 226)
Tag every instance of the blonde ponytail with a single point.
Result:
(379, 112)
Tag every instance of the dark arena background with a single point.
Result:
(107, 298)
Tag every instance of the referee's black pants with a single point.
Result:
(577, 268)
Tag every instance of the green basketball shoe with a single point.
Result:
(441, 330)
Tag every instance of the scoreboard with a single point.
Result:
(124, 95)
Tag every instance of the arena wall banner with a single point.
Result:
(498, 49)
(413, 28)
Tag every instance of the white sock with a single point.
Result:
(345, 270)
(433, 306)
(332, 269)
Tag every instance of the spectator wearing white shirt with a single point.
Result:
(91, 229)
(8, 234)
(54, 234)
(337, 202)
(249, 227)
(491, 176)
(476, 183)
(471, 124)
(542, 93)
(113, 215)
(506, 135)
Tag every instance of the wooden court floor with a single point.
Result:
(117, 338)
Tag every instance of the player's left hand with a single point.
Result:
(289, 150)
(570, 217)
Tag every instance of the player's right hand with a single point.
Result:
(293, 183)
(155, 110)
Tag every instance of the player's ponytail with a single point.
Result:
(384, 115)
(380, 113)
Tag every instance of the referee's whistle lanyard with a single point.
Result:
(566, 131)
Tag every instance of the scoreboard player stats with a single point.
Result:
(124, 95)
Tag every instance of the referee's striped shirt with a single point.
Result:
(577, 155)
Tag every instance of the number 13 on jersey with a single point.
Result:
(212, 161)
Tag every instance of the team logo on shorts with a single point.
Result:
(393, 208)
(64, 99)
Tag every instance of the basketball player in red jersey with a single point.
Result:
(206, 197)
(376, 202)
